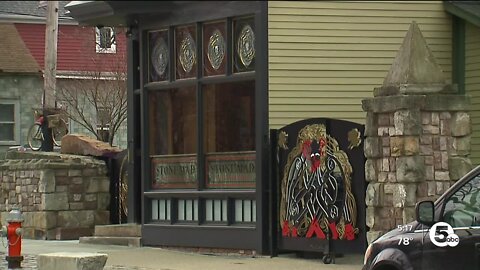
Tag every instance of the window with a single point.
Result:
(161, 209)
(245, 211)
(187, 210)
(229, 117)
(159, 55)
(229, 134)
(105, 40)
(201, 122)
(173, 115)
(173, 137)
(463, 208)
(216, 210)
(103, 123)
(227, 111)
(186, 52)
(9, 126)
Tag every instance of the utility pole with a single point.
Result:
(50, 71)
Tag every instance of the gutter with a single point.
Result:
(10, 18)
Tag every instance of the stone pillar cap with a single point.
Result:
(414, 69)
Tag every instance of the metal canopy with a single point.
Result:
(118, 13)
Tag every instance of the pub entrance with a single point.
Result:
(319, 182)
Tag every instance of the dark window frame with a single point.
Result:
(199, 81)
(15, 122)
(102, 44)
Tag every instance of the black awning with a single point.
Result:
(467, 10)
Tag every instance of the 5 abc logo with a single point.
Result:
(442, 235)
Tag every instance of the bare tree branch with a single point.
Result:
(98, 102)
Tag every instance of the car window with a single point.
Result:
(463, 207)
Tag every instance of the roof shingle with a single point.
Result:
(29, 8)
(15, 57)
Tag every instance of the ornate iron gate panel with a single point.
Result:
(321, 186)
(118, 187)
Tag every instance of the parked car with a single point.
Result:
(445, 235)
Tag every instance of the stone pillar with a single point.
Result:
(61, 196)
(417, 137)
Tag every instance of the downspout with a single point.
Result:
(458, 53)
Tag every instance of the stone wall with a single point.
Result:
(417, 146)
(60, 196)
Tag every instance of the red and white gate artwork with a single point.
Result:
(320, 196)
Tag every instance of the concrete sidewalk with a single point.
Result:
(120, 257)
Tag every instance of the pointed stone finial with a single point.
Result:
(414, 70)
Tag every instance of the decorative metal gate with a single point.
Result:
(320, 182)
(118, 187)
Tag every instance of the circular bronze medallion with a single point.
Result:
(187, 53)
(246, 45)
(216, 49)
(160, 57)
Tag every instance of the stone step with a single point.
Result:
(71, 261)
(112, 240)
(119, 230)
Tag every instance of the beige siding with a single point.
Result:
(472, 84)
(326, 56)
